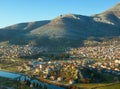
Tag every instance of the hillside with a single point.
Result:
(69, 30)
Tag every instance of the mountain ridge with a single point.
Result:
(65, 30)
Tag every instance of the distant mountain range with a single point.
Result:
(69, 30)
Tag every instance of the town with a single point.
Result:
(81, 65)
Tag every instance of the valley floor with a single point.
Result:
(78, 68)
(99, 86)
(11, 84)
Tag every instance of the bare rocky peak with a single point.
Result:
(72, 16)
(115, 10)
(63, 18)
(69, 19)
(110, 16)
(69, 29)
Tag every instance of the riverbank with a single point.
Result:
(14, 67)
(6, 82)
(115, 85)
(12, 83)
(5, 87)
(66, 86)
(23, 80)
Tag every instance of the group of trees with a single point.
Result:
(27, 84)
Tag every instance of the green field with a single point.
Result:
(99, 86)
(113, 86)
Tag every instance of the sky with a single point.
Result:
(18, 11)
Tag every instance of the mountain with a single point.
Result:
(17, 32)
(115, 10)
(69, 30)
(27, 26)
(110, 16)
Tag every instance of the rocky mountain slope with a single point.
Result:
(65, 30)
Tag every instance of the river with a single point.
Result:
(14, 76)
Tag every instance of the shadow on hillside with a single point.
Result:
(87, 30)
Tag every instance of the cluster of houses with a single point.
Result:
(99, 52)
(68, 71)
(107, 58)
(87, 60)
(111, 67)
(14, 51)
(71, 70)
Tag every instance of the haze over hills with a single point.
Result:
(65, 30)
